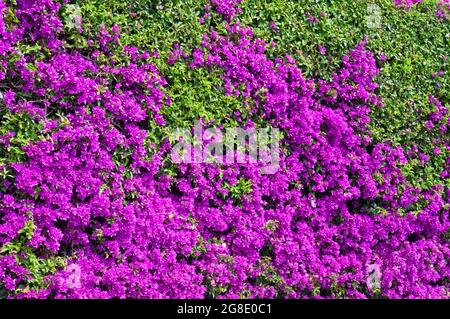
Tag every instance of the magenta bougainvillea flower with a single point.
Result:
(96, 195)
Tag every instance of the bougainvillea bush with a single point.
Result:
(93, 206)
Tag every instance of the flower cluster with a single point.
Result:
(442, 10)
(406, 3)
(95, 193)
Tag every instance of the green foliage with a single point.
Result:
(26, 130)
(270, 277)
(38, 264)
(238, 190)
(154, 25)
(197, 94)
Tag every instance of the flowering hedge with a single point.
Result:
(92, 207)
